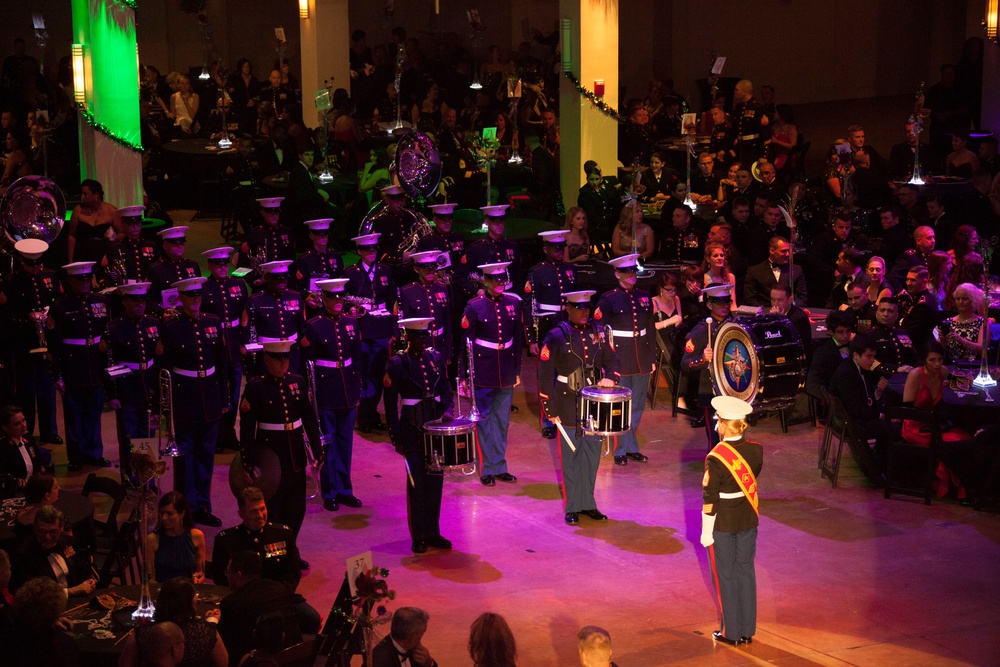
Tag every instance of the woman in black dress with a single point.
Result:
(244, 90)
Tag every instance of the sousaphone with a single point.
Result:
(33, 208)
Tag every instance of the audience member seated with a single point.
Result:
(37, 636)
(831, 353)
(849, 262)
(784, 138)
(963, 241)
(939, 266)
(961, 161)
(634, 141)
(176, 603)
(716, 268)
(870, 189)
(835, 172)
(578, 239)
(52, 553)
(409, 624)
(658, 182)
(374, 176)
(923, 241)
(303, 199)
(491, 643)
(621, 240)
(970, 269)
(893, 347)
(824, 251)
(544, 185)
(425, 114)
(963, 334)
(601, 202)
(267, 539)
(858, 303)
(594, 647)
(505, 135)
(18, 161)
(772, 224)
(683, 240)
(347, 136)
(278, 152)
(40, 490)
(184, 106)
(862, 392)
(268, 638)
(770, 186)
(902, 155)
(176, 548)
(244, 89)
(722, 232)
(781, 304)
(923, 390)
(896, 238)
(775, 270)
(922, 308)
(878, 286)
(254, 598)
(19, 456)
(705, 182)
(162, 646)
(913, 210)
(689, 292)
(6, 606)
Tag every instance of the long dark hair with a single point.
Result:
(180, 504)
(175, 602)
(491, 643)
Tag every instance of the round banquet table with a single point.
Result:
(94, 651)
(969, 409)
(197, 147)
(78, 509)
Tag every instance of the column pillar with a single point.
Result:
(585, 132)
(991, 84)
(325, 36)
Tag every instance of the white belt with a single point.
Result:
(231, 325)
(416, 401)
(82, 341)
(749, 137)
(494, 346)
(271, 339)
(334, 364)
(731, 496)
(195, 374)
(265, 426)
(627, 334)
(134, 366)
(562, 378)
(549, 309)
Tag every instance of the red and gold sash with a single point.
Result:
(740, 471)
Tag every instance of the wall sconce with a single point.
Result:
(79, 78)
(992, 9)
(599, 87)
(303, 9)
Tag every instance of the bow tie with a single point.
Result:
(777, 267)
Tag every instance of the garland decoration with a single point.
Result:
(131, 4)
(108, 132)
(598, 102)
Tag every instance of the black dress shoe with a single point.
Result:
(52, 439)
(621, 460)
(100, 462)
(381, 426)
(717, 634)
(549, 433)
(206, 518)
(348, 500)
(438, 542)
(331, 505)
(745, 640)
(636, 456)
(506, 477)
(514, 408)
(698, 422)
(303, 564)
(419, 547)
(594, 514)
(572, 519)
(488, 480)
(75, 467)
(363, 428)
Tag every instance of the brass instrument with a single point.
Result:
(418, 230)
(358, 306)
(474, 415)
(117, 273)
(38, 318)
(323, 442)
(168, 448)
(33, 207)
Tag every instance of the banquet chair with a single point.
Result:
(840, 426)
(121, 563)
(899, 450)
(107, 530)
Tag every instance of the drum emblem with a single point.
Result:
(737, 364)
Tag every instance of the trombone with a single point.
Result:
(470, 366)
(169, 448)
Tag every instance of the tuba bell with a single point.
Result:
(33, 208)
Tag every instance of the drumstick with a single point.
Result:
(123, 637)
(569, 442)
(409, 474)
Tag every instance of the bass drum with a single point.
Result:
(760, 360)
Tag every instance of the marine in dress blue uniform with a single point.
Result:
(416, 379)
(575, 354)
(491, 250)
(30, 291)
(172, 268)
(132, 341)
(274, 315)
(129, 259)
(226, 298)
(317, 263)
(752, 125)
(697, 359)
(893, 347)
(493, 323)
(729, 520)
(629, 313)
(193, 350)
(76, 323)
(275, 412)
(443, 239)
(542, 305)
(330, 343)
(371, 280)
(269, 242)
(429, 297)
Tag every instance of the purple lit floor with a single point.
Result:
(844, 577)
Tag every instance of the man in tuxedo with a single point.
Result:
(403, 647)
(896, 239)
(252, 596)
(761, 278)
(849, 263)
(901, 156)
(53, 554)
(277, 153)
(759, 233)
(304, 200)
(781, 304)
(828, 356)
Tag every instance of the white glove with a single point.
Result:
(707, 528)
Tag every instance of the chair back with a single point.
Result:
(302, 654)
(113, 489)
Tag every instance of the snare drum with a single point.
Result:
(759, 360)
(605, 410)
(448, 445)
